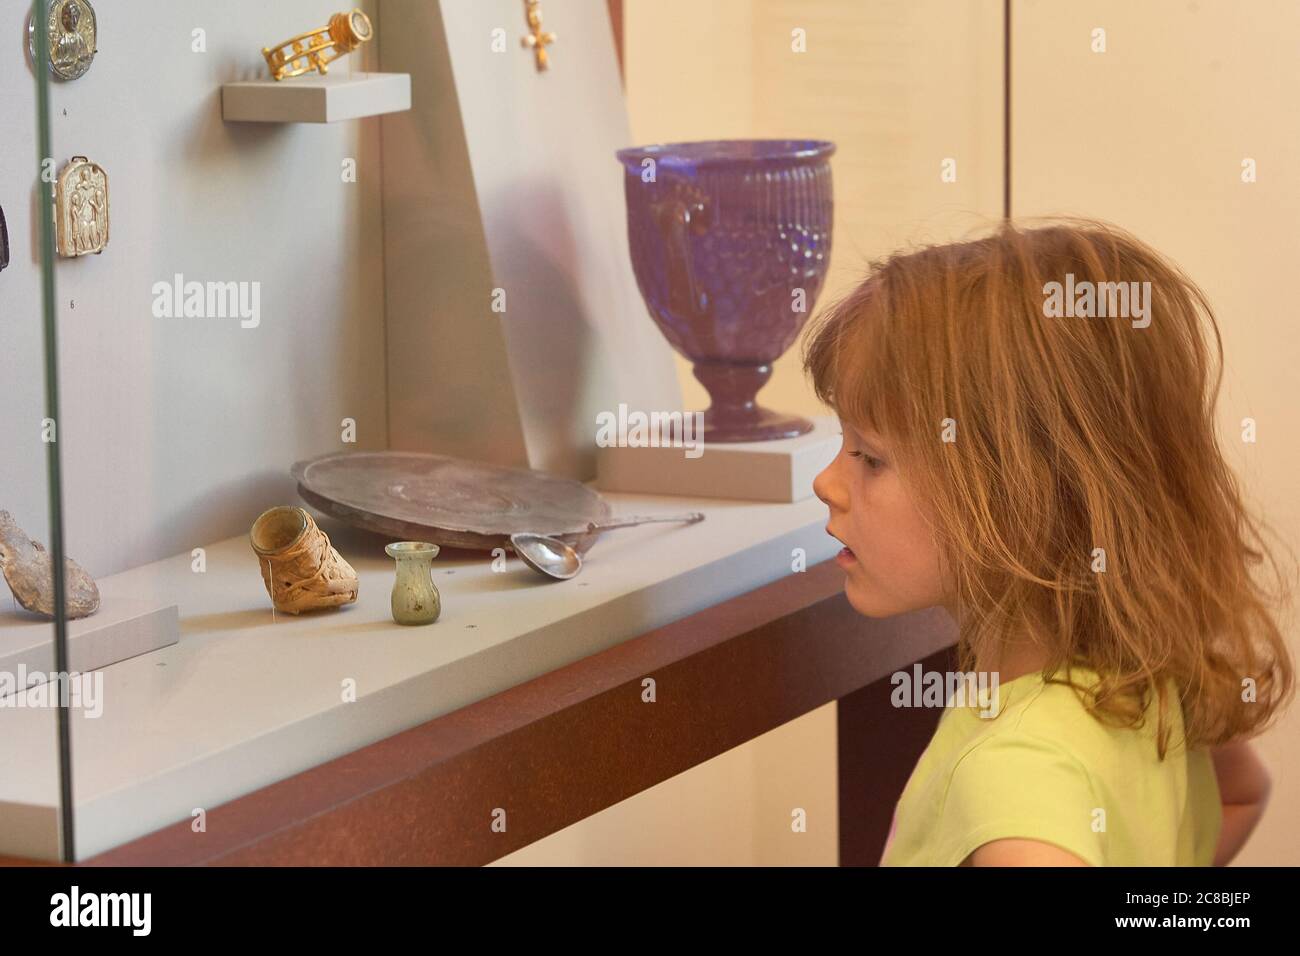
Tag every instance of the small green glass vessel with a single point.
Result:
(415, 596)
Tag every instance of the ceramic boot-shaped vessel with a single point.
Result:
(300, 567)
(415, 596)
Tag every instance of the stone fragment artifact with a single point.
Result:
(28, 569)
(300, 567)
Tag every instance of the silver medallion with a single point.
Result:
(72, 37)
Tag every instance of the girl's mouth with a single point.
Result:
(846, 556)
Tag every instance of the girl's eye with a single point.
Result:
(872, 462)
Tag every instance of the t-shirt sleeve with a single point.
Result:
(1014, 784)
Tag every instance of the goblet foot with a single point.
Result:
(762, 424)
(735, 415)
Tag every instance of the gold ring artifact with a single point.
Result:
(316, 49)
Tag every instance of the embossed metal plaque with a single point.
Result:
(81, 208)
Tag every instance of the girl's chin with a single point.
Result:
(860, 597)
(867, 602)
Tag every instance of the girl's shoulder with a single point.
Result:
(1058, 709)
(1040, 766)
(1046, 729)
(1046, 768)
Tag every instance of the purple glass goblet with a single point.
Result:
(730, 241)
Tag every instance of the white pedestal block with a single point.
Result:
(316, 99)
(747, 471)
(122, 628)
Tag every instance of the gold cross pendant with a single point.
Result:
(537, 41)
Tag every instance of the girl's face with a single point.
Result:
(891, 560)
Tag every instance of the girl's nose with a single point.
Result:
(823, 484)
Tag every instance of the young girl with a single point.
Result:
(1029, 441)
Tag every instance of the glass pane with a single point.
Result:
(231, 326)
(39, 690)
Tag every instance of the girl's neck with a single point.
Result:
(1016, 660)
(1019, 660)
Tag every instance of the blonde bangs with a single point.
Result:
(847, 357)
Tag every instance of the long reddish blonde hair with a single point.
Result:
(1034, 440)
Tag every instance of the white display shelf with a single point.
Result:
(244, 700)
(316, 99)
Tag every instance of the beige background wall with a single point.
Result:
(1150, 134)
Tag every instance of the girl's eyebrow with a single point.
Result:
(873, 443)
(871, 446)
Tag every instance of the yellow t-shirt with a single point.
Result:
(1045, 769)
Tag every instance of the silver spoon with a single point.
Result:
(557, 559)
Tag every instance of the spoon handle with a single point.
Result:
(690, 518)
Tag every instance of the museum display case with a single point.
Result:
(307, 345)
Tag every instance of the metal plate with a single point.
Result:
(449, 501)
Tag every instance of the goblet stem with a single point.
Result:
(734, 414)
